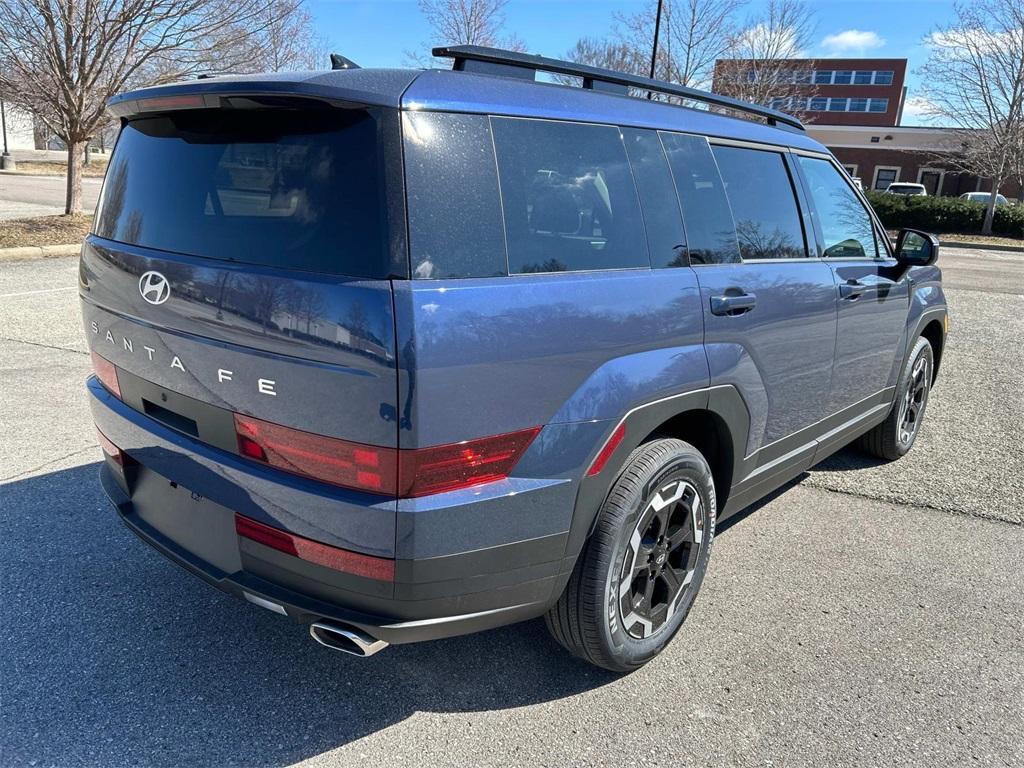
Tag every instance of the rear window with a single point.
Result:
(568, 197)
(280, 188)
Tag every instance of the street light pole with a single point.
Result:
(3, 122)
(657, 29)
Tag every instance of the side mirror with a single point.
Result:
(915, 248)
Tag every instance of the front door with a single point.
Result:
(873, 304)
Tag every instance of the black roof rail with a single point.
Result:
(495, 61)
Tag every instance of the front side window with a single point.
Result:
(763, 204)
(845, 224)
(567, 196)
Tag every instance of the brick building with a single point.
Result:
(855, 107)
(832, 91)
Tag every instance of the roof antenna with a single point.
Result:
(340, 62)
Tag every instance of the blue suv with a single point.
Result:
(408, 354)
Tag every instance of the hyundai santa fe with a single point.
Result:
(406, 354)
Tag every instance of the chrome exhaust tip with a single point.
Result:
(345, 638)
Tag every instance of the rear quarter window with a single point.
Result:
(286, 188)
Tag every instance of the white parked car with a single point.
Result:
(984, 198)
(906, 188)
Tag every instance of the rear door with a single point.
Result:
(240, 267)
(770, 315)
(873, 303)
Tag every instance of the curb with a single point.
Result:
(981, 246)
(39, 252)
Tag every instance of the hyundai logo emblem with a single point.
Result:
(154, 288)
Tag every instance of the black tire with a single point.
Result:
(891, 439)
(588, 617)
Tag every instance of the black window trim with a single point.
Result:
(879, 231)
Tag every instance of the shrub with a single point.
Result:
(944, 214)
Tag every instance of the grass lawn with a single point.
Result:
(95, 169)
(44, 230)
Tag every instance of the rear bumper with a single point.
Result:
(430, 598)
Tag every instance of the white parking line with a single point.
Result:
(33, 293)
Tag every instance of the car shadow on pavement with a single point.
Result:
(847, 460)
(112, 655)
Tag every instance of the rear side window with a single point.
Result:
(763, 203)
(662, 219)
(711, 235)
(846, 227)
(297, 189)
(568, 197)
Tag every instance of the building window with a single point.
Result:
(819, 104)
(858, 105)
(884, 177)
(778, 103)
(863, 78)
(823, 77)
(837, 105)
(843, 77)
(883, 78)
(851, 169)
(878, 105)
(798, 103)
(803, 76)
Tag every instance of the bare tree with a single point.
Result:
(63, 59)
(974, 80)
(280, 37)
(693, 34)
(465, 22)
(758, 68)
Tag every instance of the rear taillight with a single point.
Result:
(380, 568)
(106, 372)
(387, 471)
(460, 465)
(353, 465)
(110, 449)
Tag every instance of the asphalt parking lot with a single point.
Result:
(865, 615)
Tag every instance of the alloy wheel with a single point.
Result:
(659, 562)
(914, 399)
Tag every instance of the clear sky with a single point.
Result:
(379, 32)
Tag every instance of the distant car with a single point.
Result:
(903, 188)
(984, 198)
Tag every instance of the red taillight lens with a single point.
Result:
(106, 373)
(387, 471)
(110, 449)
(380, 568)
(353, 465)
(460, 465)
(606, 452)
